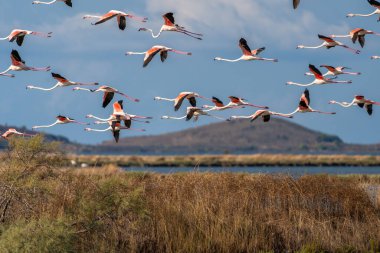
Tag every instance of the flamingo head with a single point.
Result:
(143, 29)
(217, 59)
(29, 87)
(332, 102)
(89, 116)
(165, 117)
(300, 46)
(350, 15)
(87, 129)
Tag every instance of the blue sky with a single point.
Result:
(85, 53)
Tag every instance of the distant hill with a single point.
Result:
(278, 136)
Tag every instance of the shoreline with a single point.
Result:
(257, 160)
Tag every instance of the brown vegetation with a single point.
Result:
(45, 209)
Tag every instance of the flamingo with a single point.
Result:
(360, 101)
(155, 50)
(62, 82)
(375, 57)
(61, 120)
(218, 105)
(190, 96)
(248, 54)
(296, 3)
(67, 2)
(118, 115)
(19, 35)
(193, 112)
(241, 102)
(319, 78)
(115, 127)
(109, 93)
(335, 71)
(121, 18)
(375, 4)
(11, 132)
(357, 34)
(170, 26)
(329, 43)
(18, 65)
(304, 105)
(265, 114)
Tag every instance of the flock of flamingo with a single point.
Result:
(121, 120)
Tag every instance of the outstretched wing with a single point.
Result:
(122, 21)
(169, 19)
(361, 40)
(374, 3)
(244, 47)
(190, 113)
(257, 51)
(257, 115)
(149, 55)
(107, 97)
(106, 17)
(315, 71)
(329, 68)
(164, 55)
(59, 78)
(305, 99)
(69, 3)
(234, 99)
(20, 40)
(325, 38)
(116, 135)
(296, 3)
(178, 101)
(15, 57)
(217, 102)
(369, 108)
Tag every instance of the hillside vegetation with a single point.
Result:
(44, 208)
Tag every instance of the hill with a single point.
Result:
(278, 136)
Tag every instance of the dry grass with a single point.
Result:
(44, 209)
(231, 160)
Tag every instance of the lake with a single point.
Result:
(266, 170)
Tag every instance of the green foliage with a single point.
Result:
(41, 236)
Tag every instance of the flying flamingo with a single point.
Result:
(155, 50)
(329, 43)
(375, 57)
(265, 114)
(67, 2)
(121, 18)
(11, 132)
(218, 105)
(335, 71)
(170, 26)
(296, 3)
(115, 127)
(248, 54)
(118, 115)
(61, 120)
(19, 35)
(357, 34)
(304, 105)
(319, 78)
(109, 93)
(18, 65)
(190, 96)
(360, 101)
(241, 102)
(62, 82)
(193, 112)
(375, 4)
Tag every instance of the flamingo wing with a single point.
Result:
(361, 39)
(192, 101)
(62, 118)
(374, 3)
(128, 123)
(106, 17)
(116, 135)
(244, 47)
(20, 40)
(69, 3)
(149, 55)
(217, 102)
(257, 115)
(122, 21)
(118, 107)
(257, 51)
(296, 3)
(325, 38)
(329, 68)
(266, 118)
(369, 108)
(169, 19)
(107, 97)
(15, 57)
(315, 71)
(178, 101)
(163, 55)
(305, 99)
(59, 78)
(190, 113)
(234, 99)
